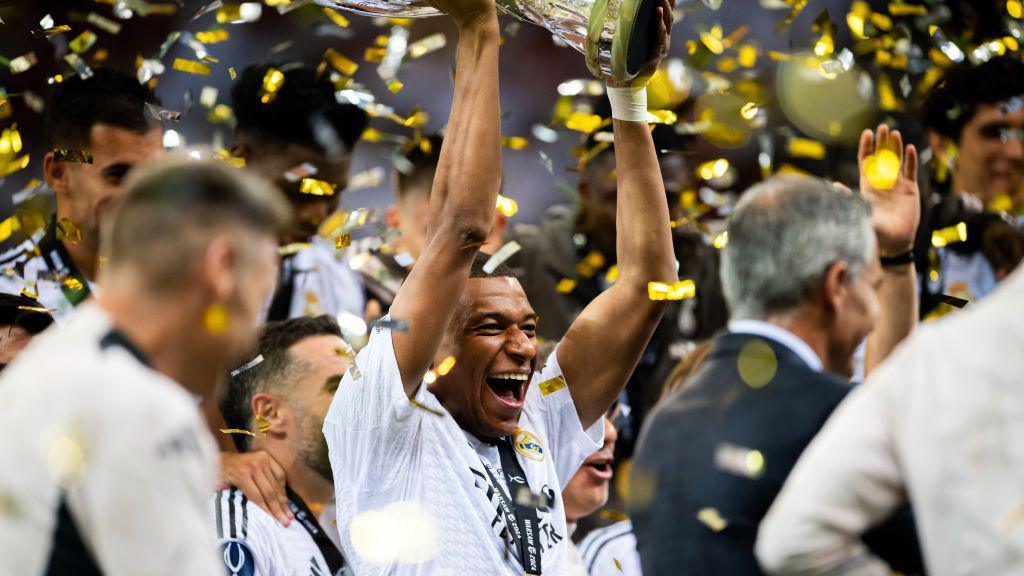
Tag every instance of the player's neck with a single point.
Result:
(162, 338)
(83, 257)
(309, 485)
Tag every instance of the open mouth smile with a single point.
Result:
(509, 387)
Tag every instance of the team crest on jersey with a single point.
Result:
(528, 445)
(238, 558)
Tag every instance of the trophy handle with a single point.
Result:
(631, 43)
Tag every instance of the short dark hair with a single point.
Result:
(273, 373)
(952, 102)
(109, 96)
(500, 271)
(18, 311)
(292, 116)
(419, 159)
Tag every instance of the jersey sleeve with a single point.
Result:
(370, 423)
(570, 444)
(142, 503)
(245, 542)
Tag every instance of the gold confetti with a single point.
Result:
(590, 264)
(514, 142)
(68, 230)
(675, 291)
(375, 55)
(711, 518)
(553, 385)
(713, 169)
(739, 461)
(342, 242)
(618, 565)
(316, 187)
(10, 141)
(105, 24)
(426, 45)
(215, 319)
(882, 169)
(13, 166)
(272, 82)
(712, 39)
(910, 9)
(293, 248)
(237, 431)
(507, 206)
(336, 17)
(22, 63)
(340, 63)
(446, 366)
(612, 275)
(83, 42)
(231, 72)
(721, 240)
(666, 117)
(426, 408)
(191, 67)
(8, 227)
(806, 148)
(213, 36)
(395, 86)
(582, 122)
(950, 235)
(79, 156)
(565, 286)
(1014, 8)
(50, 32)
(757, 363)
(262, 425)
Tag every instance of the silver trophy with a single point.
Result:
(612, 34)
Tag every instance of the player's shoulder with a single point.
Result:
(247, 536)
(614, 540)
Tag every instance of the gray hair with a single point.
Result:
(783, 236)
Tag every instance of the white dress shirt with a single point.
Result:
(941, 421)
(779, 335)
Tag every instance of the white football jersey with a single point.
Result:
(397, 465)
(253, 543)
(109, 463)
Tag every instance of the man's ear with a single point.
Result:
(834, 285)
(270, 415)
(393, 217)
(216, 266)
(55, 173)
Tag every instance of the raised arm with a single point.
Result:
(463, 196)
(601, 348)
(895, 215)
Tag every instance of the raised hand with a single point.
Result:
(888, 179)
(662, 28)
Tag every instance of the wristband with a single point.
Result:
(629, 103)
(898, 260)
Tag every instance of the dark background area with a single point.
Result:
(532, 67)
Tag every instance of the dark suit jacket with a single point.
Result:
(716, 409)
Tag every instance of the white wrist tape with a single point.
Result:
(629, 104)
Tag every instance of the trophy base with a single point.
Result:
(619, 41)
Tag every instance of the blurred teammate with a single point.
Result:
(104, 116)
(302, 141)
(288, 391)
(115, 464)
(478, 450)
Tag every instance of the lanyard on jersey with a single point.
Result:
(73, 284)
(333, 556)
(522, 521)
